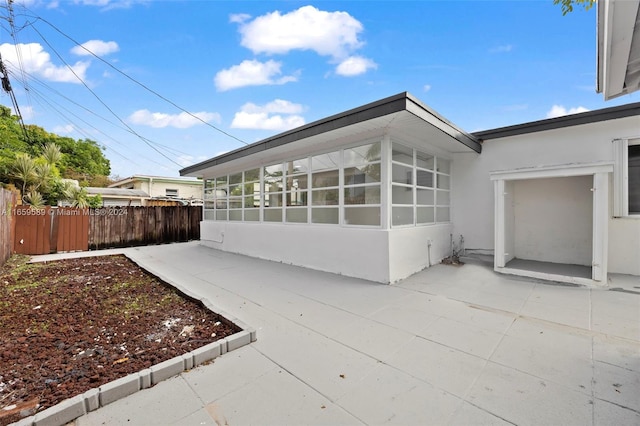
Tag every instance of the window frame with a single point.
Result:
(621, 177)
(415, 186)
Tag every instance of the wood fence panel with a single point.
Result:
(135, 226)
(32, 230)
(66, 229)
(7, 204)
(72, 229)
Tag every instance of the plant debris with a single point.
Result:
(72, 325)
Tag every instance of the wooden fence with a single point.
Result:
(63, 229)
(140, 226)
(7, 203)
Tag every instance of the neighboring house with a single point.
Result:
(618, 47)
(381, 191)
(119, 197)
(110, 196)
(162, 188)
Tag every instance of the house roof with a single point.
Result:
(171, 179)
(402, 112)
(618, 47)
(117, 192)
(604, 114)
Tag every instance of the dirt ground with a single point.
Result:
(72, 325)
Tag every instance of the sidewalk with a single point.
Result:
(450, 345)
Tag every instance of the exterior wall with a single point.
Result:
(414, 249)
(558, 207)
(355, 252)
(158, 188)
(624, 245)
(472, 193)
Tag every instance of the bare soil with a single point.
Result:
(72, 325)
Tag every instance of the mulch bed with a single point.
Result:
(72, 325)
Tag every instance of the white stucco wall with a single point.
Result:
(354, 252)
(373, 254)
(416, 248)
(554, 219)
(159, 189)
(472, 191)
(624, 254)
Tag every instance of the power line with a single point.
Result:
(134, 80)
(145, 140)
(56, 92)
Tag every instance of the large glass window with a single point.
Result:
(216, 198)
(361, 176)
(251, 193)
(420, 186)
(306, 190)
(296, 185)
(402, 185)
(273, 192)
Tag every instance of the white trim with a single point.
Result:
(600, 229)
(620, 177)
(499, 228)
(548, 277)
(616, 28)
(560, 170)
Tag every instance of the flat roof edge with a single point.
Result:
(588, 117)
(467, 139)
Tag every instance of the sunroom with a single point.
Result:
(364, 193)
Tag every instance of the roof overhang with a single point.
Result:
(402, 115)
(588, 117)
(148, 178)
(117, 192)
(618, 47)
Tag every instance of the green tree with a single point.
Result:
(83, 159)
(568, 5)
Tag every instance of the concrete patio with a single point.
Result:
(453, 345)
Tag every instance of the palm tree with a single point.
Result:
(77, 196)
(51, 153)
(35, 199)
(24, 171)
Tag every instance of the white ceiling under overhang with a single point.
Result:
(618, 47)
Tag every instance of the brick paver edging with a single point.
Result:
(91, 400)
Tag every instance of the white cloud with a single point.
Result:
(426, 87)
(63, 130)
(355, 65)
(332, 34)
(277, 106)
(276, 115)
(181, 121)
(559, 110)
(188, 160)
(34, 60)
(501, 49)
(98, 47)
(110, 4)
(251, 73)
(239, 18)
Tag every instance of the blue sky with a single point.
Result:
(254, 69)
